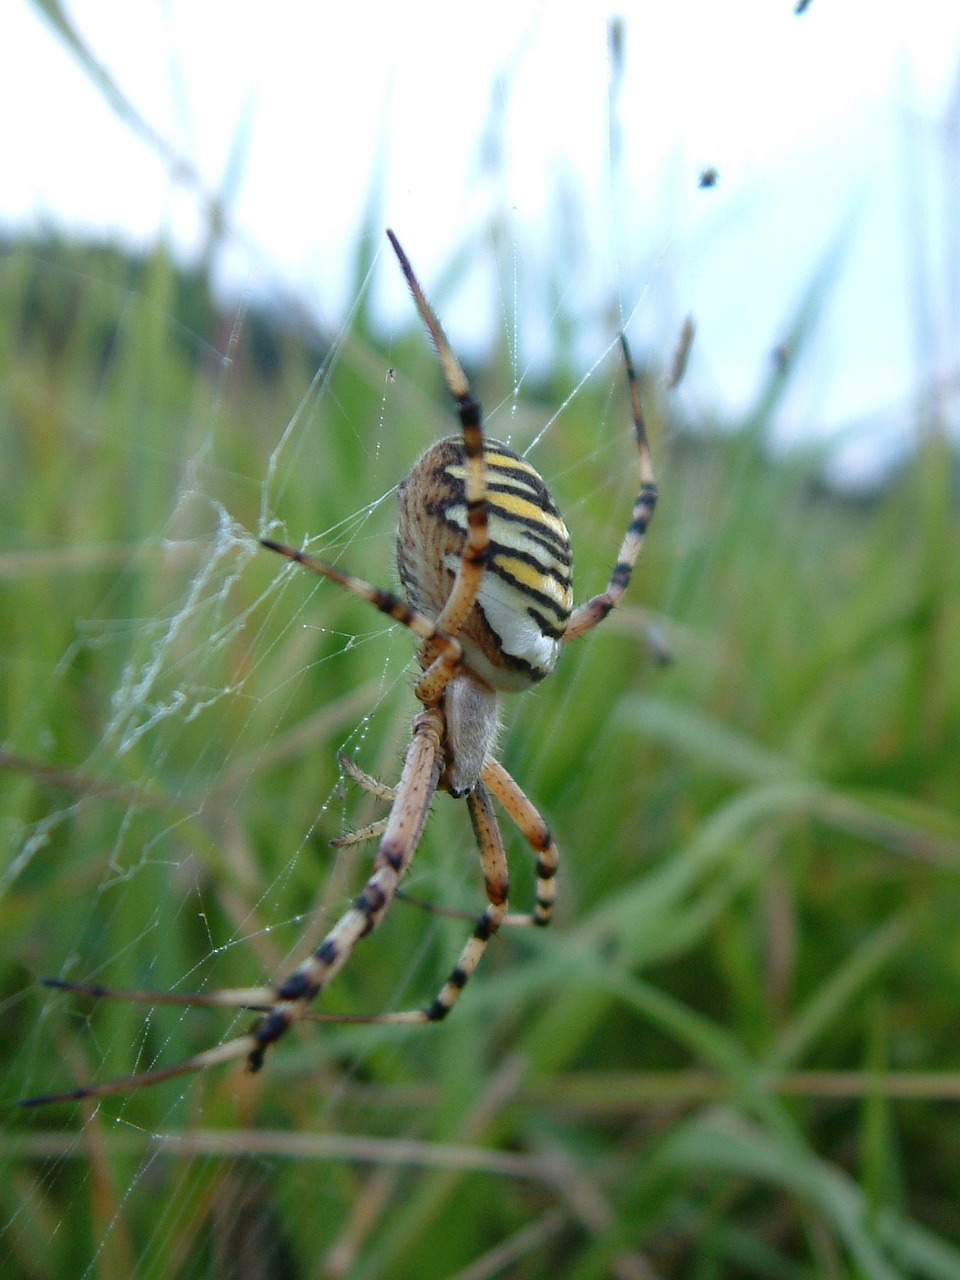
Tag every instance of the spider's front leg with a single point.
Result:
(421, 776)
(415, 791)
(289, 1002)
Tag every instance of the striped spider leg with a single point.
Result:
(484, 563)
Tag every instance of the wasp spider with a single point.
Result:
(485, 565)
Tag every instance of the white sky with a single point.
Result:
(820, 125)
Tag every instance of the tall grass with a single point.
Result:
(736, 1052)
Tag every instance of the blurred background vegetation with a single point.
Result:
(736, 1054)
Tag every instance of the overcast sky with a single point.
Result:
(828, 129)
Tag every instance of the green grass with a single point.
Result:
(736, 1052)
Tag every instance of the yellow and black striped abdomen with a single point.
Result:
(512, 636)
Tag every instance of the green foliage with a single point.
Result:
(736, 1052)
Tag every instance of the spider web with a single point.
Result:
(215, 687)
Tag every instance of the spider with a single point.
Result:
(484, 562)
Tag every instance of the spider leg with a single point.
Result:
(415, 791)
(537, 834)
(226, 1052)
(289, 1002)
(385, 601)
(493, 861)
(257, 998)
(496, 878)
(433, 909)
(587, 615)
(366, 780)
(371, 832)
(376, 788)
(466, 584)
(456, 913)
(534, 829)
(445, 652)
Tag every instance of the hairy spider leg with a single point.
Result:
(587, 615)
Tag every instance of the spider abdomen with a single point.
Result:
(512, 635)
